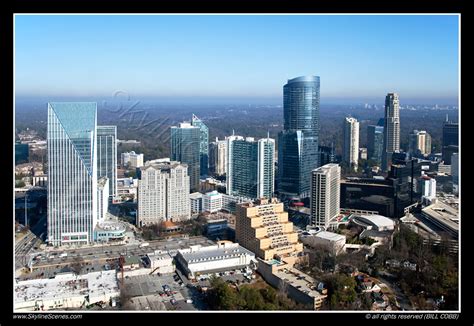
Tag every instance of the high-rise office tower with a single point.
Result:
(185, 148)
(375, 143)
(72, 172)
(298, 143)
(218, 157)
(391, 143)
(251, 164)
(455, 168)
(351, 142)
(419, 143)
(450, 140)
(163, 193)
(327, 154)
(203, 145)
(325, 194)
(107, 156)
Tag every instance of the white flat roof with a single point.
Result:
(378, 220)
(331, 236)
(66, 286)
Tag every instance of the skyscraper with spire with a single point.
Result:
(391, 142)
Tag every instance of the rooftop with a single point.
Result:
(66, 285)
(443, 213)
(195, 253)
(331, 236)
(377, 220)
(300, 280)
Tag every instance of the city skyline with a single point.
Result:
(137, 54)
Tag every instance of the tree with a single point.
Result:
(77, 264)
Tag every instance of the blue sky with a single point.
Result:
(357, 57)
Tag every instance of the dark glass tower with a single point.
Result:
(375, 143)
(298, 143)
(450, 140)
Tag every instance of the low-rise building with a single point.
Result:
(331, 241)
(298, 285)
(110, 231)
(216, 228)
(444, 217)
(127, 187)
(66, 290)
(221, 257)
(161, 262)
(196, 202)
(212, 202)
(40, 181)
(374, 222)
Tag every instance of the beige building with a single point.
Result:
(263, 228)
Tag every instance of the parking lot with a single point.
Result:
(176, 297)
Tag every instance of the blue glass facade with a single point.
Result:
(21, 153)
(185, 141)
(107, 156)
(298, 152)
(72, 172)
(203, 145)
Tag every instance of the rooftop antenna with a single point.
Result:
(233, 132)
(447, 119)
(268, 135)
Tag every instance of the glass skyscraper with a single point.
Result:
(72, 172)
(450, 140)
(203, 145)
(298, 143)
(107, 156)
(185, 148)
(375, 143)
(251, 166)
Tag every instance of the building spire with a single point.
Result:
(233, 132)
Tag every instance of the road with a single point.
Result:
(100, 254)
(26, 246)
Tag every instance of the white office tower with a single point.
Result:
(218, 156)
(351, 142)
(212, 202)
(428, 190)
(391, 142)
(419, 143)
(72, 172)
(132, 159)
(163, 193)
(325, 194)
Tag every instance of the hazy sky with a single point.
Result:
(357, 57)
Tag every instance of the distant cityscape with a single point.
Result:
(242, 209)
(292, 207)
